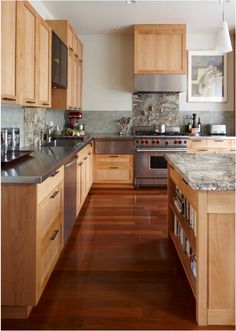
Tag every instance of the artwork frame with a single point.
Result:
(207, 76)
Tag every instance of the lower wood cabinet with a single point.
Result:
(84, 175)
(211, 145)
(113, 169)
(32, 240)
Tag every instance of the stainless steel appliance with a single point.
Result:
(160, 83)
(11, 138)
(69, 197)
(218, 129)
(150, 148)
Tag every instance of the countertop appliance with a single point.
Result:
(74, 119)
(218, 129)
(69, 197)
(150, 148)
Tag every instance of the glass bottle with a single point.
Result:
(199, 126)
(194, 125)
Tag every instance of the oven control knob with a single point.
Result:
(158, 142)
(153, 141)
(146, 141)
(142, 141)
(166, 143)
(180, 142)
(185, 142)
(175, 142)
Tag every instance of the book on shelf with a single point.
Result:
(193, 263)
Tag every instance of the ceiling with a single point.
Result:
(96, 17)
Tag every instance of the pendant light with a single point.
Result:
(223, 42)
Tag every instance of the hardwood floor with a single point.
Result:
(118, 270)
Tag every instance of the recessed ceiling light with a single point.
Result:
(130, 2)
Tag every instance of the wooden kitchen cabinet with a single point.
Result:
(113, 169)
(8, 52)
(211, 145)
(84, 175)
(160, 49)
(44, 64)
(26, 56)
(32, 240)
(70, 98)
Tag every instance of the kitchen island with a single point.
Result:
(201, 224)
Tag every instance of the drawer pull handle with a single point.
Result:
(31, 102)
(203, 150)
(45, 104)
(114, 167)
(113, 155)
(218, 141)
(9, 99)
(85, 158)
(196, 141)
(232, 150)
(54, 195)
(184, 181)
(80, 164)
(54, 235)
(89, 153)
(55, 173)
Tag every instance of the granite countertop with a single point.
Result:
(36, 167)
(202, 172)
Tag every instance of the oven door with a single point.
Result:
(152, 163)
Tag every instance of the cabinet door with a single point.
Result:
(27, 27)
(83, 182)
(160, 49)
(70, 95)
(78, 188)
(70, 35)
(8, 51)
(44, 63)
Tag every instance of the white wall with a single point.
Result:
(108, 73)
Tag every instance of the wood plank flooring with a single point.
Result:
(119, 270)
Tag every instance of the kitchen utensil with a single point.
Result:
(160, 128)
(74, 119)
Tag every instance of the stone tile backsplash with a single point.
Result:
(34, 123)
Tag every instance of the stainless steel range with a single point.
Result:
(150, 148)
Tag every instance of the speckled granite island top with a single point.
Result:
(205, 171)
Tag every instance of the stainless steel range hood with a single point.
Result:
(159, 83)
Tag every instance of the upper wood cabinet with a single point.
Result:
(26, 56)
(44, 64)
(8, 51)
(70, 98)
(160, 49)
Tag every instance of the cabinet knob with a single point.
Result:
(53, 236)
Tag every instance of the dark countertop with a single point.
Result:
(110, 135)
(205, 172)
(36, 167)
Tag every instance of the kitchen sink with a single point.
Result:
(62, 143)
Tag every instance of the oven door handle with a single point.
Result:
(162, 150)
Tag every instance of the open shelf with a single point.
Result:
(185, 262)
(184, 223)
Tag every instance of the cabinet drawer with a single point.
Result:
(49, 208)
(218, 143)
(113, 159)
(50, 249)
(113, 174)
(196, 144)
(49, 184)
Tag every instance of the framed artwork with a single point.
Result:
(207, 76)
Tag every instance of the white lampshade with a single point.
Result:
(223, 42)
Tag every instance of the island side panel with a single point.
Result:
(221, 257)
(18, 247)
